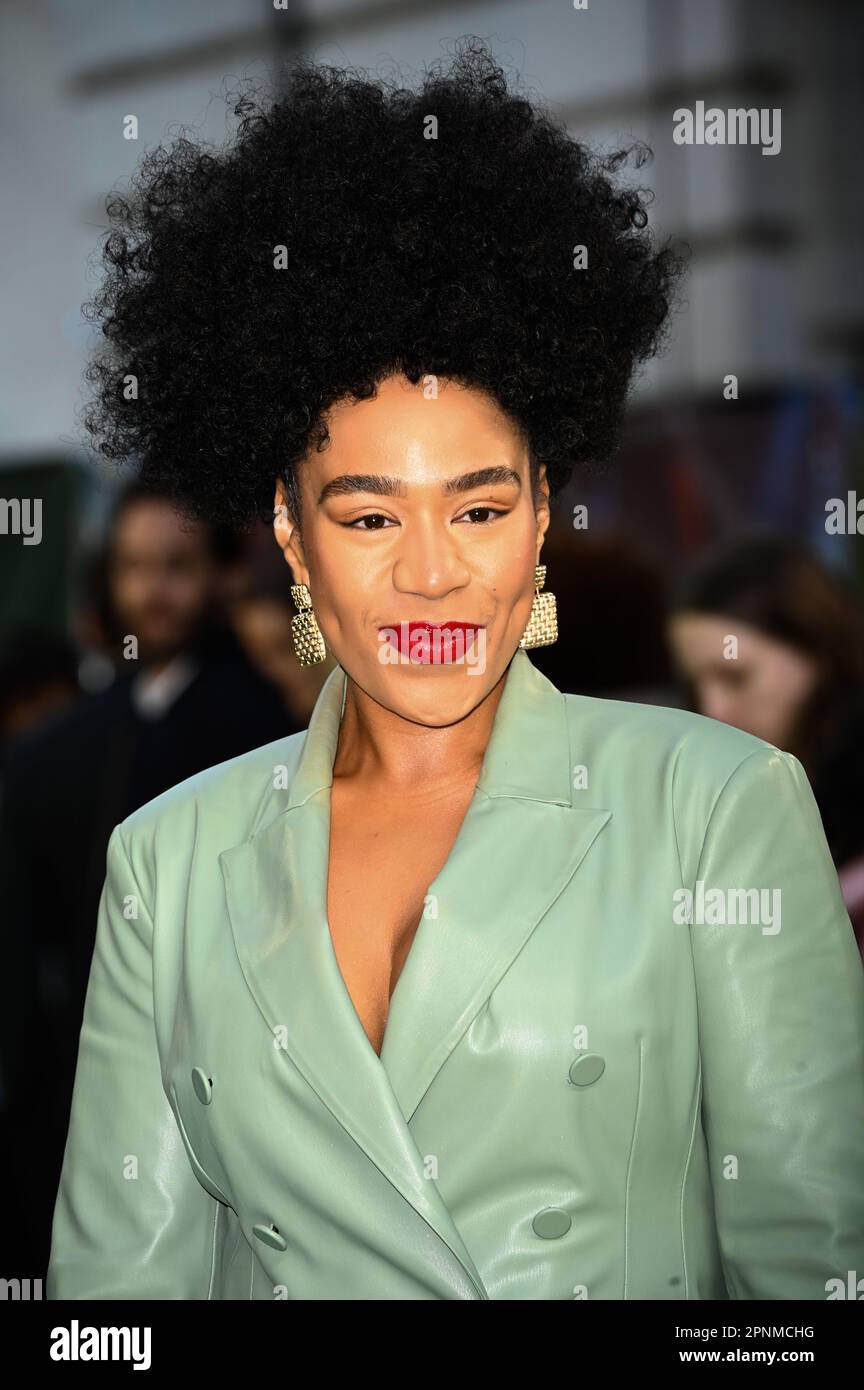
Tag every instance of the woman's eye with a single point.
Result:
(478, 516)
(490, 512)
(369, 516)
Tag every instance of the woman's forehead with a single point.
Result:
(433, 426)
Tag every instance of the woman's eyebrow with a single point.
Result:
(386, 486)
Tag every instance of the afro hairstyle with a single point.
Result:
(408, 246)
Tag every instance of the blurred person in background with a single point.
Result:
(260, 609)
(38, 676)
(262, 621)
(795, 678)
(612, 612)
(185, 697)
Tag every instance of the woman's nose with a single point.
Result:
(429, 563)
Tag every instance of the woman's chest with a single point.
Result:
(380, 867)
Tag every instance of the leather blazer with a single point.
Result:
(599, 1079)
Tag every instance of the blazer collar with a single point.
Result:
(528, 753)
(520, 843)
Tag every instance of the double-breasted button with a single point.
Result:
(587, 1069)
(551, 1223)
(203, 1085)
(270, 1236)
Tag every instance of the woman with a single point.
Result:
(410, 1006)
(793, 674)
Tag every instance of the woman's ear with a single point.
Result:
(541, 509)
(287, 535)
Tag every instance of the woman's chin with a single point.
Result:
(431, 695)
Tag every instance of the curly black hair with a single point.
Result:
(407, 248)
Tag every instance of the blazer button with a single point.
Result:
(551, 1223)
(270, 1236)
(203, 1085)
(587, 1069)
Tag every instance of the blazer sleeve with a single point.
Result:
(781, 1028)
(131, 1221)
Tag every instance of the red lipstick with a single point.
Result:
(426, 643)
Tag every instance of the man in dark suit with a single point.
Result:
(185, 698)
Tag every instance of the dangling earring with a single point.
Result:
(542, 626)
(308, 643)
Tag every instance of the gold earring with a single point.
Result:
(542, 626)
(308, 643)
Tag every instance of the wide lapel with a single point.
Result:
(519, 845)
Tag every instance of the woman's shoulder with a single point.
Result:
(655, 739)
(664, 771)
(227, 799)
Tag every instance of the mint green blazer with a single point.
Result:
(592, 1085)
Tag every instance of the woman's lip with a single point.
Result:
(429, 643)
(432, 627)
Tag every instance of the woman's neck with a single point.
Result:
(377, 746)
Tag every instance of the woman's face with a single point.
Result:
(418, 512)
(757, 683)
